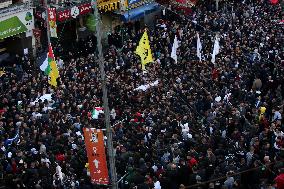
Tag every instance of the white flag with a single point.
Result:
(59, 172)
(216, 49)
(199, 47)
(174, 49)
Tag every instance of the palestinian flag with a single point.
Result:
(96, 112)
(43, 62)
(49, 67)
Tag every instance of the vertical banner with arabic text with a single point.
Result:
(52, 22)
(94, 141)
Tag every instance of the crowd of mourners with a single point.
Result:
(201, 125)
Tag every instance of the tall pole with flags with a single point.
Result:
(110, 149)
(47, 23)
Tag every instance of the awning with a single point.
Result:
(11, 26)
(139, 12)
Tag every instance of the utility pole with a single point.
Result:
(47, 23)
(110, 149)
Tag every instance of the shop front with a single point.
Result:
(16, 34)
(72, 23)
(142, 11)
(75, 16)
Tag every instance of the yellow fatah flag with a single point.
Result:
(144, 50)
(2, 72)
(52, 70)
(54, 74)
(262, 112)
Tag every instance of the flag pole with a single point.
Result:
(110, 149)
(47, 23)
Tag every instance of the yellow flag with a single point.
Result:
(144, 50)
(2, 72)
(51, 69)
(54, 74)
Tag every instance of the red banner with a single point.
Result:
(52, 21)
(94, 141)
(66, 14)
(85, 8)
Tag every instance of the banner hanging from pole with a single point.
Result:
(94, 141)
(52, 22)
(144, 50)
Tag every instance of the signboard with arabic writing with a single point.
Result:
(94, 141)
(108, 5)
(52, 22)
(16, 23)
(74, 12)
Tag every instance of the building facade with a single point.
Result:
(16, 29)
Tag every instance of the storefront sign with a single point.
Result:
(85, 8)
(112, 5)
(108, 5)
(52, 22)
(16, 24)
(94, 142)
(74, 12)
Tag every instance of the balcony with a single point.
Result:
(15, 8)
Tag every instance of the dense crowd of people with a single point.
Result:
(201, 125)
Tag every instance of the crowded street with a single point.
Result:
(204, 113)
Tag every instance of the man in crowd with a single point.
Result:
(201, 122)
